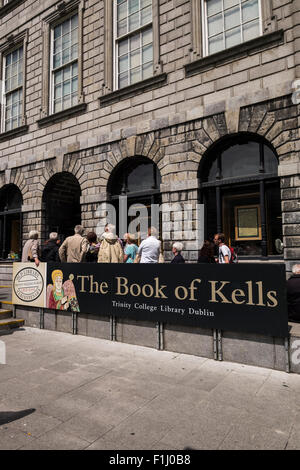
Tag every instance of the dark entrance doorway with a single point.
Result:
(240, 189)
(61, 205)
(10, 222)
(138, 179)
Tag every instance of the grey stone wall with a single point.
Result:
(173, 124)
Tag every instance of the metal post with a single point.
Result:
(158, 335)
(114, 328)
(14, 312)
(215, 344)
(220, 351)
(161, 336)
(111, 328)
(42, 322)
(74, 323)
(287, 355)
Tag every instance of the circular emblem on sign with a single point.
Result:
(28, 284)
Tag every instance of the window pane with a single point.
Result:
(147, 53)
(215, 44)
(122, 27)
(57, 60)
(145, 3)
(147, 36)
(123, 63)
(250, 10)
(233, 37)
(66, 88)
(65, 27)
(66, 56)
(230, 3)
(74, 21)
(122, 11)
(214, 6)
(232, 18)
(134, 21)
(57, 46)
(147, 70)
(135, 59)
(251, 30)
(67, 73)
(135, 75)
(241, 160)
(146, 15)
(135, 42)
(57, 77)
(74, 85)
(67, 102)
(74, 52)
(57, 106)
(123, 47)
(215, 25)
(123, 79)
(57, 92)
(66, 41)
(57, 31)
(133, 6)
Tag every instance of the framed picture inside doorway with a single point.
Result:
(247, 222)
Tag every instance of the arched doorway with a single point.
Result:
(137, 178)
(61, 205)
(10, 221)
(239, 186)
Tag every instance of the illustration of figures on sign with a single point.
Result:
(62, 295)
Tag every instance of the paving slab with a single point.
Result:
(90, 393)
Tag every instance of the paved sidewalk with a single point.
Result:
(86, 393)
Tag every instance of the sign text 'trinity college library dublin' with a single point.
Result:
(226, 297)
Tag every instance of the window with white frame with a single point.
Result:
(133, 41)
(64, 65)
(13, 90)
(228, 23)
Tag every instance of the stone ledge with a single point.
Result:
(13, 133)
(9, 7)
(294, 329)
(125, 92)
(65, 114)
(236, 52)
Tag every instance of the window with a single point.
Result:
(62, 86)
(64, 65)
(133, 37)
(13, 90)
(240, 189)
(228, 23)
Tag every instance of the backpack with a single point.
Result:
(234, 258)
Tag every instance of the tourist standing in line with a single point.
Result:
(50, 249)
(110, 250)
(224, 255)
(207, 253)
(93, 248)
(131, 248)
(177, 248)
(31, 248)
(74, 248)
(150, 248)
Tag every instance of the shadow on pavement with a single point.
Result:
(9, 416)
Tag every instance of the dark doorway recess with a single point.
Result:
(61, 205)
(240, 189)
(10, 221)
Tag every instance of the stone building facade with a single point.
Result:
(193, 106)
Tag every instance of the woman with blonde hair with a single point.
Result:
(131, 249)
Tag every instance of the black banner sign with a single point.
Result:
(244, 297)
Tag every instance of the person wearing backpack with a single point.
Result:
(225, 254)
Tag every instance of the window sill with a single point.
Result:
(5, 9)
(13, 133)
(236, 52)
(131, 90)
(65, 114)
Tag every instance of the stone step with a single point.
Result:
(9, 324)
(5, 313)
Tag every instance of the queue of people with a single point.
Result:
(111, 249)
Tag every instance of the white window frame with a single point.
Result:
(117, 39)
(51, 71)
(4, 94)
(205, 31)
